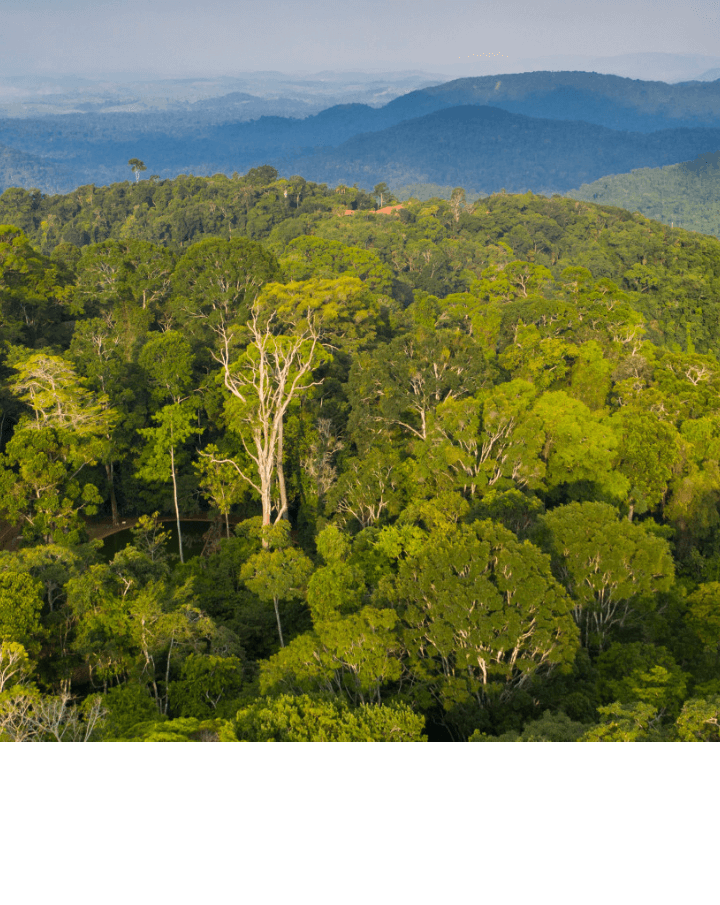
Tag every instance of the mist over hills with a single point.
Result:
(645, 65)
(244, 97)
(544, 131)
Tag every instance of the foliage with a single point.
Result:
(459, 468)
(683, 195)
(306, 719)
(481, 613)
(20, 605)
(608, 565)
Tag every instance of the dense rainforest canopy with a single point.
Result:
(458, 465)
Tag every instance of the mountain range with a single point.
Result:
(542, 131)
(487, 149)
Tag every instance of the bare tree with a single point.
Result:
(270, 374)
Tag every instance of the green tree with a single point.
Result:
(303, 718)
(626, 723)
(175, 425)
(51, 564)
(336, 588)
(216, 283)
(276, 575)
(220, 482)
(168, 361)
(308, 257)
(511, 440)
(15, 666)
(369, 488)
(39, 487)
(482, 614)
(129, 622)
(58, 398)
(699, 720)
(342, 309)
(207, 686)
(127, 278)
(638, 672)
(149, 537)
(580, 446)
(396, 388)
(609, 566)
(648, 454)
(137, 166)
(551, 727)
(383, 193)
(20, 605)
(704, 614)
(183, 729)
(35, 293)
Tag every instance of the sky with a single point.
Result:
(175, 38)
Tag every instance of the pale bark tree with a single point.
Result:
(26, 716)
(137, 166)
(15, 665)
(270, 374)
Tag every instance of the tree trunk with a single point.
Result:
(265, 466)
(266, 501)
(227, 524)
(277, 616)
(175, 496)
(280, 470)
(110, 471)
(167, 676)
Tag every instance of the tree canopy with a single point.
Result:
(453, 471)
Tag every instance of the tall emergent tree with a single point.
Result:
(137, 166)
(269, 375)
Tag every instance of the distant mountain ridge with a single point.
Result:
(95, 147)
(605, 100)
(487, 149)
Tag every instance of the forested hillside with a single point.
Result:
(457, 466)
(18, 168)
(684, 194)
(486, 149)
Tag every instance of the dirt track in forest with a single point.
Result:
(99, 529)
(8, 536)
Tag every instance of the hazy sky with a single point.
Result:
(176, 37)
